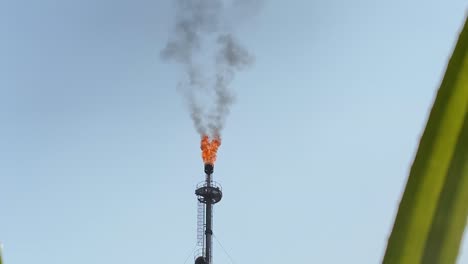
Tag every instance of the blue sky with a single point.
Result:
(99, 159)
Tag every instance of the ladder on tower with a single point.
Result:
(200, 224)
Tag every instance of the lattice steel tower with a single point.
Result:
(208, 193)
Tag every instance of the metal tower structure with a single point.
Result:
(208, 193)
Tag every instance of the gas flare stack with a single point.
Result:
(208, 193)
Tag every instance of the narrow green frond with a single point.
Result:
(432, 213)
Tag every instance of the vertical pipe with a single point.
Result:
(208, 230)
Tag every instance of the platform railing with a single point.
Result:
(212, 184)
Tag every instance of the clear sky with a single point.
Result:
(99, 158)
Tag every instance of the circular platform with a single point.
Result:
(209, 194)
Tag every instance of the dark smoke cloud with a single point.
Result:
(232, 53)
(231, 57)
(198, 21)
(194, 18)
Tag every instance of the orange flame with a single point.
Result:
(209, 149)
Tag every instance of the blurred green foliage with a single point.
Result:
(433, 212)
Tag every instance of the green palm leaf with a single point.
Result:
(433, 211)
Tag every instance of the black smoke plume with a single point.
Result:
(199, 23)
